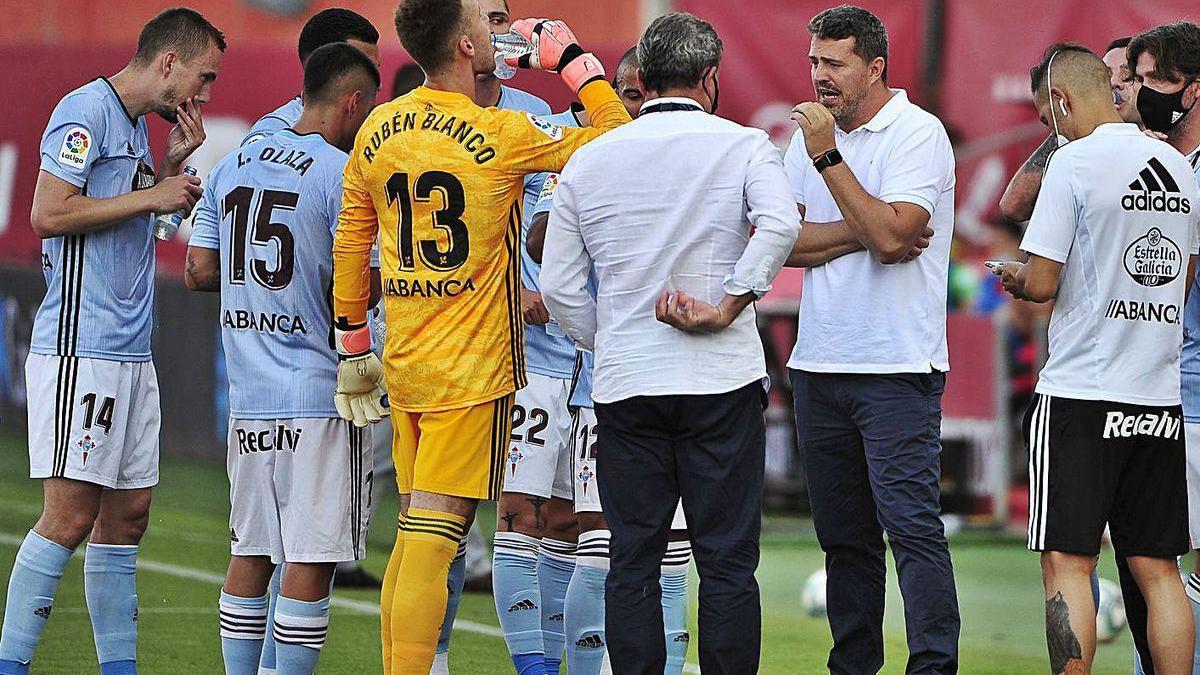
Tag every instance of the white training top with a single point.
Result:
(1120, 211)
(858, 315)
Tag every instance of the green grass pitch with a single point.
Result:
(186, 550)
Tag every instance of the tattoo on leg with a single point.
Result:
(1066, 656)
(508, 518)
(537, 502)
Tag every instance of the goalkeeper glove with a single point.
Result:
(360, 397)
(555, 48)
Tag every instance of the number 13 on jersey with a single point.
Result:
(447, 219)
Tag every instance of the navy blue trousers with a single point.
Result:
(709, 451)
(871, 447)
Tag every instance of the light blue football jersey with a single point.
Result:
(271, 209)
(548, 350)
(1189, 362)
(584, 361)
(100, 285)
(283, 117)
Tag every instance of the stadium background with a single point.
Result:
(965, 60)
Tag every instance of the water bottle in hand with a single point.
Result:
(167, 224)
(509, 45)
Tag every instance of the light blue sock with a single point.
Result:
(584, 607)
(556, 564)
(110, 585)
(267, 663)
(454, 586)
(35, 576)
(674, 583)
(518, 600)
(300, 630)
(243, 625)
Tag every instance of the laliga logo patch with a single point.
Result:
(1153, 259)
(548, 187)
(75, 148)
(552, 130)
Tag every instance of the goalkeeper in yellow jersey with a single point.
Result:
(440, 179)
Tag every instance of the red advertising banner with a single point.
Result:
(765, 71)
(985, 97)
(253, 81)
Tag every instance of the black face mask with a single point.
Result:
(1161, 112)
(715, 95)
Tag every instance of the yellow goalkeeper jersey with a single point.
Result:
(440, 180)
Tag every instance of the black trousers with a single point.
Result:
(709, 450)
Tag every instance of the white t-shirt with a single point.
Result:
(1120, 211)
(858, 315)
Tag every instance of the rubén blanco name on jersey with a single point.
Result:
(461, 132)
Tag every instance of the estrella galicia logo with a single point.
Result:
(1155, 190)
(1153, 259)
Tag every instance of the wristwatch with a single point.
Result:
(827, 159)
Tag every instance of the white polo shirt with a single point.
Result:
(858, 315)
(1120, 211)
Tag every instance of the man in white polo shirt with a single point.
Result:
(1113, 241)
(873, 175)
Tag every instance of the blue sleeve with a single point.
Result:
(73, 137)
(265, 127)
(206, 224)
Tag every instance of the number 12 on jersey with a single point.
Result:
(447, 219)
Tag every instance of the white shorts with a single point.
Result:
(1191, 434)
(583, 454)
(93, 420)
(299, 489)
(539, 455)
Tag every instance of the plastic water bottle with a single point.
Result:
(511, 45)
(167, 224)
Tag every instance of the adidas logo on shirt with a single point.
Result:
(43, 612)
(1152, 191)
(522, 606)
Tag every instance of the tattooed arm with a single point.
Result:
(1019, 197)
(203, 269)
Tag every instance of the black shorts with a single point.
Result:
(1093, 463)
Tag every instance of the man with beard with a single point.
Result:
(872, 174)
(1166, 64)
(93, 393)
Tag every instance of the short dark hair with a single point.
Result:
(425, 28)
(629, 58)
(179, 28)
(408, 77)
(1175, 48)
(329, 65)
(845, 21)
(1037, 74)
(334, 25)
(676, 50)
(1119, 43)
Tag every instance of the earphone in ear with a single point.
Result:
(1062, 105)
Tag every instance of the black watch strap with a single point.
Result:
(827, 159)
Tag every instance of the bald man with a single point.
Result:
(1113, 240)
